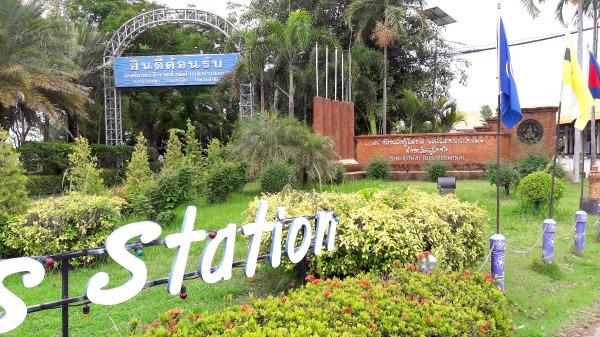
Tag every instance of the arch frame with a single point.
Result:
(129, 32)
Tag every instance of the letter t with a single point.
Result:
(182, 241)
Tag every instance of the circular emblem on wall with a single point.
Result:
(530, 131)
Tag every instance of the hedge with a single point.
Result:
(401, 304)
(378, 227)
(40, 185)
(50, 158)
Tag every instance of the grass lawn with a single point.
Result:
(544, 299)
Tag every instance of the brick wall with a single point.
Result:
(464, 151)
(335, 119)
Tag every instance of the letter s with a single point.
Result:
(115, 246)
(14, 307)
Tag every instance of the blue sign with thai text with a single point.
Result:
(172, 70)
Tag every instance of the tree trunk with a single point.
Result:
(262, 95)
(275, 100)
(72, 126)
(372, 120)
(384, 113)
(46, 129)
(291, 92)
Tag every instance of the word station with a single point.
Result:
(147, 231)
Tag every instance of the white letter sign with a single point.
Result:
(223, 272)
(115, 246)
(14, 307)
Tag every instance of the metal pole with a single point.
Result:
(498, 171)
(343, 96)
(326, 71)
(556, 139)
(581, 167)
(64, 272)
(317, 67)
(335, 73)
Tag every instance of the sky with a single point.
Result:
(537, 67)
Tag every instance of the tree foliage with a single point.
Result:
(13, 192)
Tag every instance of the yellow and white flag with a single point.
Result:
(576, 100)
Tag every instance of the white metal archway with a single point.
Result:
(122, 39)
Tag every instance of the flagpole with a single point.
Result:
(556, 140)
(498, 125)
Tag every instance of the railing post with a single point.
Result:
(64, 271)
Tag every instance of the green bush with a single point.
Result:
(83, 174)
(404, 303)
(379, 168)
(222, 179)
(535, 188)
(112, 177)
(437, 169)
(509, 176)
(536, 162)
(338, 175)
(61, 224)
(139, 175)
(171, 189)
(260, 143)
(45, 158)
(379, 227)
(275, 176)
(41, 185)
(13, 193)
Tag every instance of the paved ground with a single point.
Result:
(589, 329)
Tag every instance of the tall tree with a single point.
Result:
(289, 39)
(385, 21)
(37, 72)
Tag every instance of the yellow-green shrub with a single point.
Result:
(62, 224)
(381, 227)
(404, 304)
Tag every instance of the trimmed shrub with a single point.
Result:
(404, 303)
(509, 176)
(536, 162)
(45, 158)
(535, 188)
(437, 169)
(379, 168)
(275, 176)
(379, 227)
(41, 185)
(112, 156)
(71, 222)
(222, 179)
(51, 158)
(83, 174)
(338, 175)
(139, 175)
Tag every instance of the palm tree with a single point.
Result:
(36, 68)
(366, 69)
(417, 112)
(288, 40)
(384, 21)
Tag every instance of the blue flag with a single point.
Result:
(510, 109)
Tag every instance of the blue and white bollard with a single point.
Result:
(580, 220)
(498, 248)
(549, 228)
